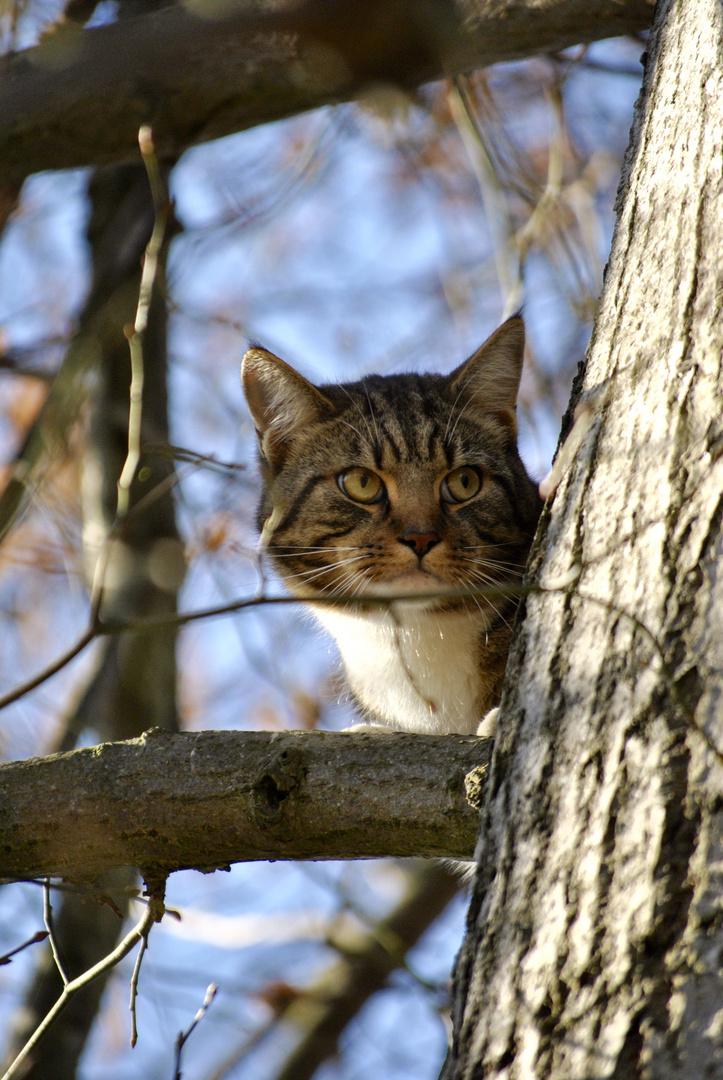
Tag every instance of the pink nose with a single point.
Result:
(419, 542)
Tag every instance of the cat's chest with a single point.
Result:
(419, 672)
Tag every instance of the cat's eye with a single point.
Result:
(361, 485)
(461, 484)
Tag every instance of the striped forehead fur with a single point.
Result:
(411, 417)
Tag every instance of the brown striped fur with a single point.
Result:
(431, 660)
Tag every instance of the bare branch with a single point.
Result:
(184, 1036)
(52, 669)
(48, 920)
(134, 986)
(124, 947)
(199, 71)
(161, 208)
(7, 957)
(144, 625)
(167, 802)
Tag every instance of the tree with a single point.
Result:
(639, 636)
(595, 925)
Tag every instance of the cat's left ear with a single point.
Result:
(281, 401)
(490, 379)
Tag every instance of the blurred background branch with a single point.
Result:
(199, 71)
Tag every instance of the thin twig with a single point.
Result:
(48, 920)
(178, 619)
(182, 453)
(141, 929)
(157, 622)
(52, 669)
(134, 986)
(135, 340)
(101, 565)
(6, 958)
(161, 206)
(183, 1036)
(99, 628)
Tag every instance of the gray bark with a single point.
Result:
(596, 925)
(199, 71)
(171, 802)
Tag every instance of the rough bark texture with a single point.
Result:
(596, 926)
(208, 68)
(169, 802)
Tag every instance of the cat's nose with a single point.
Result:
(419, 542)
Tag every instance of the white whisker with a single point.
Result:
(358, 408)
(317, 571)
(298, 552)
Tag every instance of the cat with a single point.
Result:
(407, 487)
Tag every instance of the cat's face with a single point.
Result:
(394, 485)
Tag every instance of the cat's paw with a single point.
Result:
(368, 729)
(488, 725)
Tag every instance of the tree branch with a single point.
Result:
(200, 71)
(168, 802)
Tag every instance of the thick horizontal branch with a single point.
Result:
(211, 67)
(169, 802)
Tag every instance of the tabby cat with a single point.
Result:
(407, 487)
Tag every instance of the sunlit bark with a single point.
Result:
(596, 925)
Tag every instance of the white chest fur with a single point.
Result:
(418, 672)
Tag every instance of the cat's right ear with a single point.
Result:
(281, 401)
(490, 379)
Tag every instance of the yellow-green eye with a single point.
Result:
(361, 485)
(461, 484)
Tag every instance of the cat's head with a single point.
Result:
(397, 484)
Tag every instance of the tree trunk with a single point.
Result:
(596, 925)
